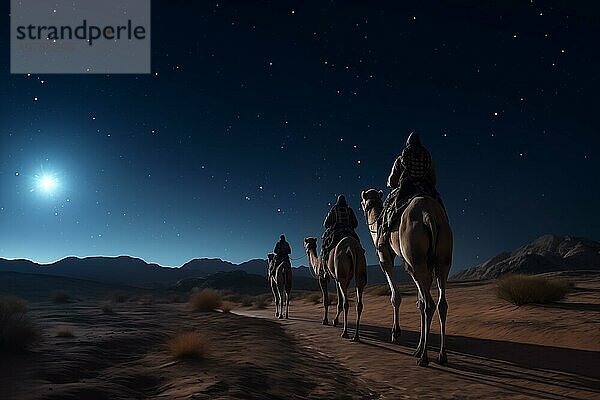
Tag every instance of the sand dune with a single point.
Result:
(495, 351)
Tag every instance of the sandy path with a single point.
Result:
(490, 358)
(495, 351)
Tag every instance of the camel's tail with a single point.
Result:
(287, 276)
(352, 257)
(431, 224)
(360, 277)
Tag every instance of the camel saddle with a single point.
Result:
(279, 259)
(331, 237)
(398, 200)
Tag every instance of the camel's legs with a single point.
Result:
(442, 312)
(279, 304)
(323, 284)
(343, 292)
(284, 301)
(287, 304)
(421, 306)
(424, 286)
(386, 261)
(359, 308)
(275, 291)
(340, 305)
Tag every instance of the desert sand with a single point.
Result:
(496, 350)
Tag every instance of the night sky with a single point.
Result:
(257, 115)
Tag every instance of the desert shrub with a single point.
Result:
(247, 301)
(261, 302)
(233, 297)
(17, 330)
(205, 300)
(226, 307)
(314, 298)
(60, 296)
(522, 289)
(65, 332)
(191, 345)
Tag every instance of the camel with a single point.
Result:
(346, 261)
(280, 279)
(424, 241)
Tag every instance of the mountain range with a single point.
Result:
(130, 270)
(547, 253)
(126, 270)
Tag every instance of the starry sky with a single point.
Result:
(258, 114)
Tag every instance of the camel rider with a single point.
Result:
(339, 223)
(282, 250)
(413, 173)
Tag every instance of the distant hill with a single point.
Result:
(40, 287)
(236, 281)
(129, 270)
(133, 271)
(547, 253)
(123, 269)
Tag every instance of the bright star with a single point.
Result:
(46, 183)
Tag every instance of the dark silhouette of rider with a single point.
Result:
(340, 222)
(413, 169)
(282, 250)
(413, 173)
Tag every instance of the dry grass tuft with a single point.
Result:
(522, 289)
(189, 345)
(261, 302)
(17, 330)
(233, 297)
(205, 300)
(65, 332)
(227, 306)
(60, 296)
(247, 301)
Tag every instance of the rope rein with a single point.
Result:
(310, 267)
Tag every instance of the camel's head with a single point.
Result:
(370, 199)
(310, 243)
(270, 258)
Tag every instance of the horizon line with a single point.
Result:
(127, 255)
